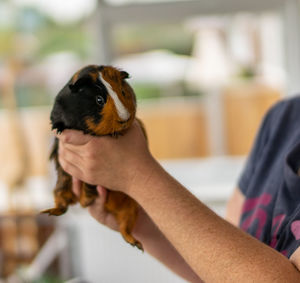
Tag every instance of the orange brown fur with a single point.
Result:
(125, 209)
(115, 80)
(87, 195)
(110, 114)
(75, 76)
(64, 195)
(94, 76)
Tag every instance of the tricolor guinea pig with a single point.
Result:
(98, 101)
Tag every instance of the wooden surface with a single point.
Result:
(244, 108)
(35, 127)
(176, 129)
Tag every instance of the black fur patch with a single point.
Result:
(77, 101)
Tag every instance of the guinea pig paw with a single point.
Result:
(139, 245)
(57, 211)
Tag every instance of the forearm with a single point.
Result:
(216, 250)
(156, 244)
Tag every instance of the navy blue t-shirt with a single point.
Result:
(270, 181)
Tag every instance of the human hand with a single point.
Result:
(96, 209)
(114, 163)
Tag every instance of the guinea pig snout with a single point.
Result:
(58, 122)
(57, 117)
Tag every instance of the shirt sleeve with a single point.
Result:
(261, 142)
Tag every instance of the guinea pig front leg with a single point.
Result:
(63, 194)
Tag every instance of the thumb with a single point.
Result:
(73, 137)
(76, 185)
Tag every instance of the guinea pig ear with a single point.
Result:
(124, 75)
(74, 87)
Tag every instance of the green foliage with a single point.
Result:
(140, 38)
(152, 91)
(7, 41)
(65, 38)
(146, 90)
(246, 72)
(51, 37)
(31, 36)
(33, 96)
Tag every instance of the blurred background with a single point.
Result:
(204, 72)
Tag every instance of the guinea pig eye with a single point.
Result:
(100, 100)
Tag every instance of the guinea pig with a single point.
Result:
(98, 101)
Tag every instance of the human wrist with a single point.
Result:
(146, 171)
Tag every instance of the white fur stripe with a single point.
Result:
(121, 109)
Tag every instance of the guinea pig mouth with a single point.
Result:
(59, 126)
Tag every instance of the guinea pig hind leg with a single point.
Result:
(126, 226)
(125, 210)
(63, 194)
(88, 194)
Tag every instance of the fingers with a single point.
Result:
(98, 211)
(76, 185)
(98, 205)
(73, 137)
(67, 148)
(102, 194)
(68, 156)
(70, 168)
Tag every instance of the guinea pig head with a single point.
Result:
(97, 100)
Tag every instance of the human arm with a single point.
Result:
(154, 242)
(158, 246)
(216, 250)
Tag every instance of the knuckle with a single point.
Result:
(66, 138)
